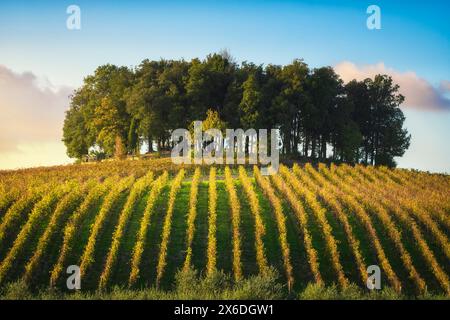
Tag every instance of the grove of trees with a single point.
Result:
(117, 109)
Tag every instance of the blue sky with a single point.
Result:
(415, 38)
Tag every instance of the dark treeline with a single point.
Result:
(318, 117)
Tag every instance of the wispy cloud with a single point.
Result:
(419, 93)
(31, 114)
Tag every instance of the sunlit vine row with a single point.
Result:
(175, 187)
(236, 222)
(87, 258)
(329, 195)
(68, 204)
(212, 223)
(320, 212)
(260, 229)
(281, 223)
(94, 196)
(17, 211)
(40, 211)
(428, 255)
(136, 192)
(412, 207)
(7, 198)
(434, 201)
(419, 183)
(390, 226)
(355, 206)
(138, 249)
(192, 214)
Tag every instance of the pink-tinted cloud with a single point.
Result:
(445, 86)
(31, 111)
(419, 93)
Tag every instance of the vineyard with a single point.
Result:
(142, 224)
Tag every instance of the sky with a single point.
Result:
(42, 61)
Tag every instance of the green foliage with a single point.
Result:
(133, 137)
(74, 133)
(217, 287)
(189, 285)
(250, 103)
(17, 291)
(213, 121)
(376, 111)
(312, 108)
(320, 292)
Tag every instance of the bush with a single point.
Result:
(260, 287)
(16, 291)
(190, 285)
(218, 285)
(352, 292)
(315, 291)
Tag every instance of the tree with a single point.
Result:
(208, 83)
(388, 138)
(250, 103)
(140, 99)
(112, 128)
(213, 121)
(133, 138)
(357, 95)
(119, 148)
(324, 90)
(345, 135)
(75, 133)
(117, 108)
(290, 102)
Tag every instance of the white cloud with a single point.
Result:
(419, 93)
(31, 116)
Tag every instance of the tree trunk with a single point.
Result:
(150, 144)
(306, 146)
(119, 148)
(313, 148)
(334, 150)
(324, 148)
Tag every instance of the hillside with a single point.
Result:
(136, 224)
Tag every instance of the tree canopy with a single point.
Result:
(117, 109)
